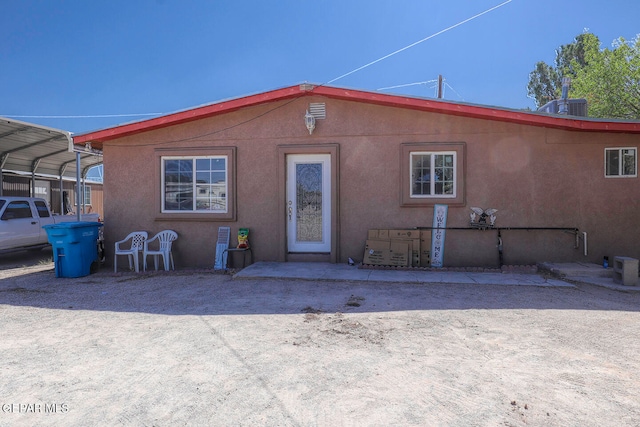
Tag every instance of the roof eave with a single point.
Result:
(397, 101)
(185, 116)
(484, 112)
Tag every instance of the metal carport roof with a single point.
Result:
(27, 147)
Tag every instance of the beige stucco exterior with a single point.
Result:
(535, 176)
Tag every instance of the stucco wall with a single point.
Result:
(535, 177)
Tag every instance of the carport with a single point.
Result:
(43, 151)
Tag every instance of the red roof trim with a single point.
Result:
(482, 112)
(187, 115)
(421, 104)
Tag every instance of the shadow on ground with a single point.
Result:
(205, 292)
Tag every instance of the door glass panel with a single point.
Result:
(309, 202)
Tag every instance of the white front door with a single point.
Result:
(309, 203)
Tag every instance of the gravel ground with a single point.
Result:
(199, 348)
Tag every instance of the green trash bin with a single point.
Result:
(75, 247)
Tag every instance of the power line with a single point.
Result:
(327, 83)
(435, 86)
(408, 84)
(419, 41)
(455, 91)
(94, 116)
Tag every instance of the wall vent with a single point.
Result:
(318, 110)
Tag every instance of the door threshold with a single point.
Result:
(308, 257)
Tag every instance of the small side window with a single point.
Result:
(87, 195)
(432, 173)
(43, 212)
(620, 162)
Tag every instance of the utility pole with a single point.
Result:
(439, 86)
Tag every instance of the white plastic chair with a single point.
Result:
(137, 239)
(164, 238)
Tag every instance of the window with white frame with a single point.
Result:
(87, 194)
(433, 174)
(195, 184)
(621, 162)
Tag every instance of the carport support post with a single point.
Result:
(84, 192)
(78, 186)
(61, 198)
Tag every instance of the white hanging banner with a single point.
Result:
(438, 234)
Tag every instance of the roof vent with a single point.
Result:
(563, 102)
(318, 110)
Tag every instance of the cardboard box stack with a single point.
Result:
(398, 248)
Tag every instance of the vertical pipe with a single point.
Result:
(77, 185)
(84, 189)
(500, 257)
(584, 234)
(61, 196)
(563, 102)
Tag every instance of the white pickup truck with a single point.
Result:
(22, 219)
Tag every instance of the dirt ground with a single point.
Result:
(199, 348)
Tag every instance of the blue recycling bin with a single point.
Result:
(75, 247)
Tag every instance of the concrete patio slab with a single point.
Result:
(327, 271)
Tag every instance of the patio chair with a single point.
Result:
(164, 241)
(132, 252)
(243, 246)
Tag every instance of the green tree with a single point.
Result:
(545, 81)
(573, 56)
(543, 84)
(611, 80)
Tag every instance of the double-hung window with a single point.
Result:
(433, 174)
(87, 195)
(197, 184)
(86, 198)
(621, 162)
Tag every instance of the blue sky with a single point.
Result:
(86, 58)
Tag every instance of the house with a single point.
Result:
(48, 188)
(310, 169)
